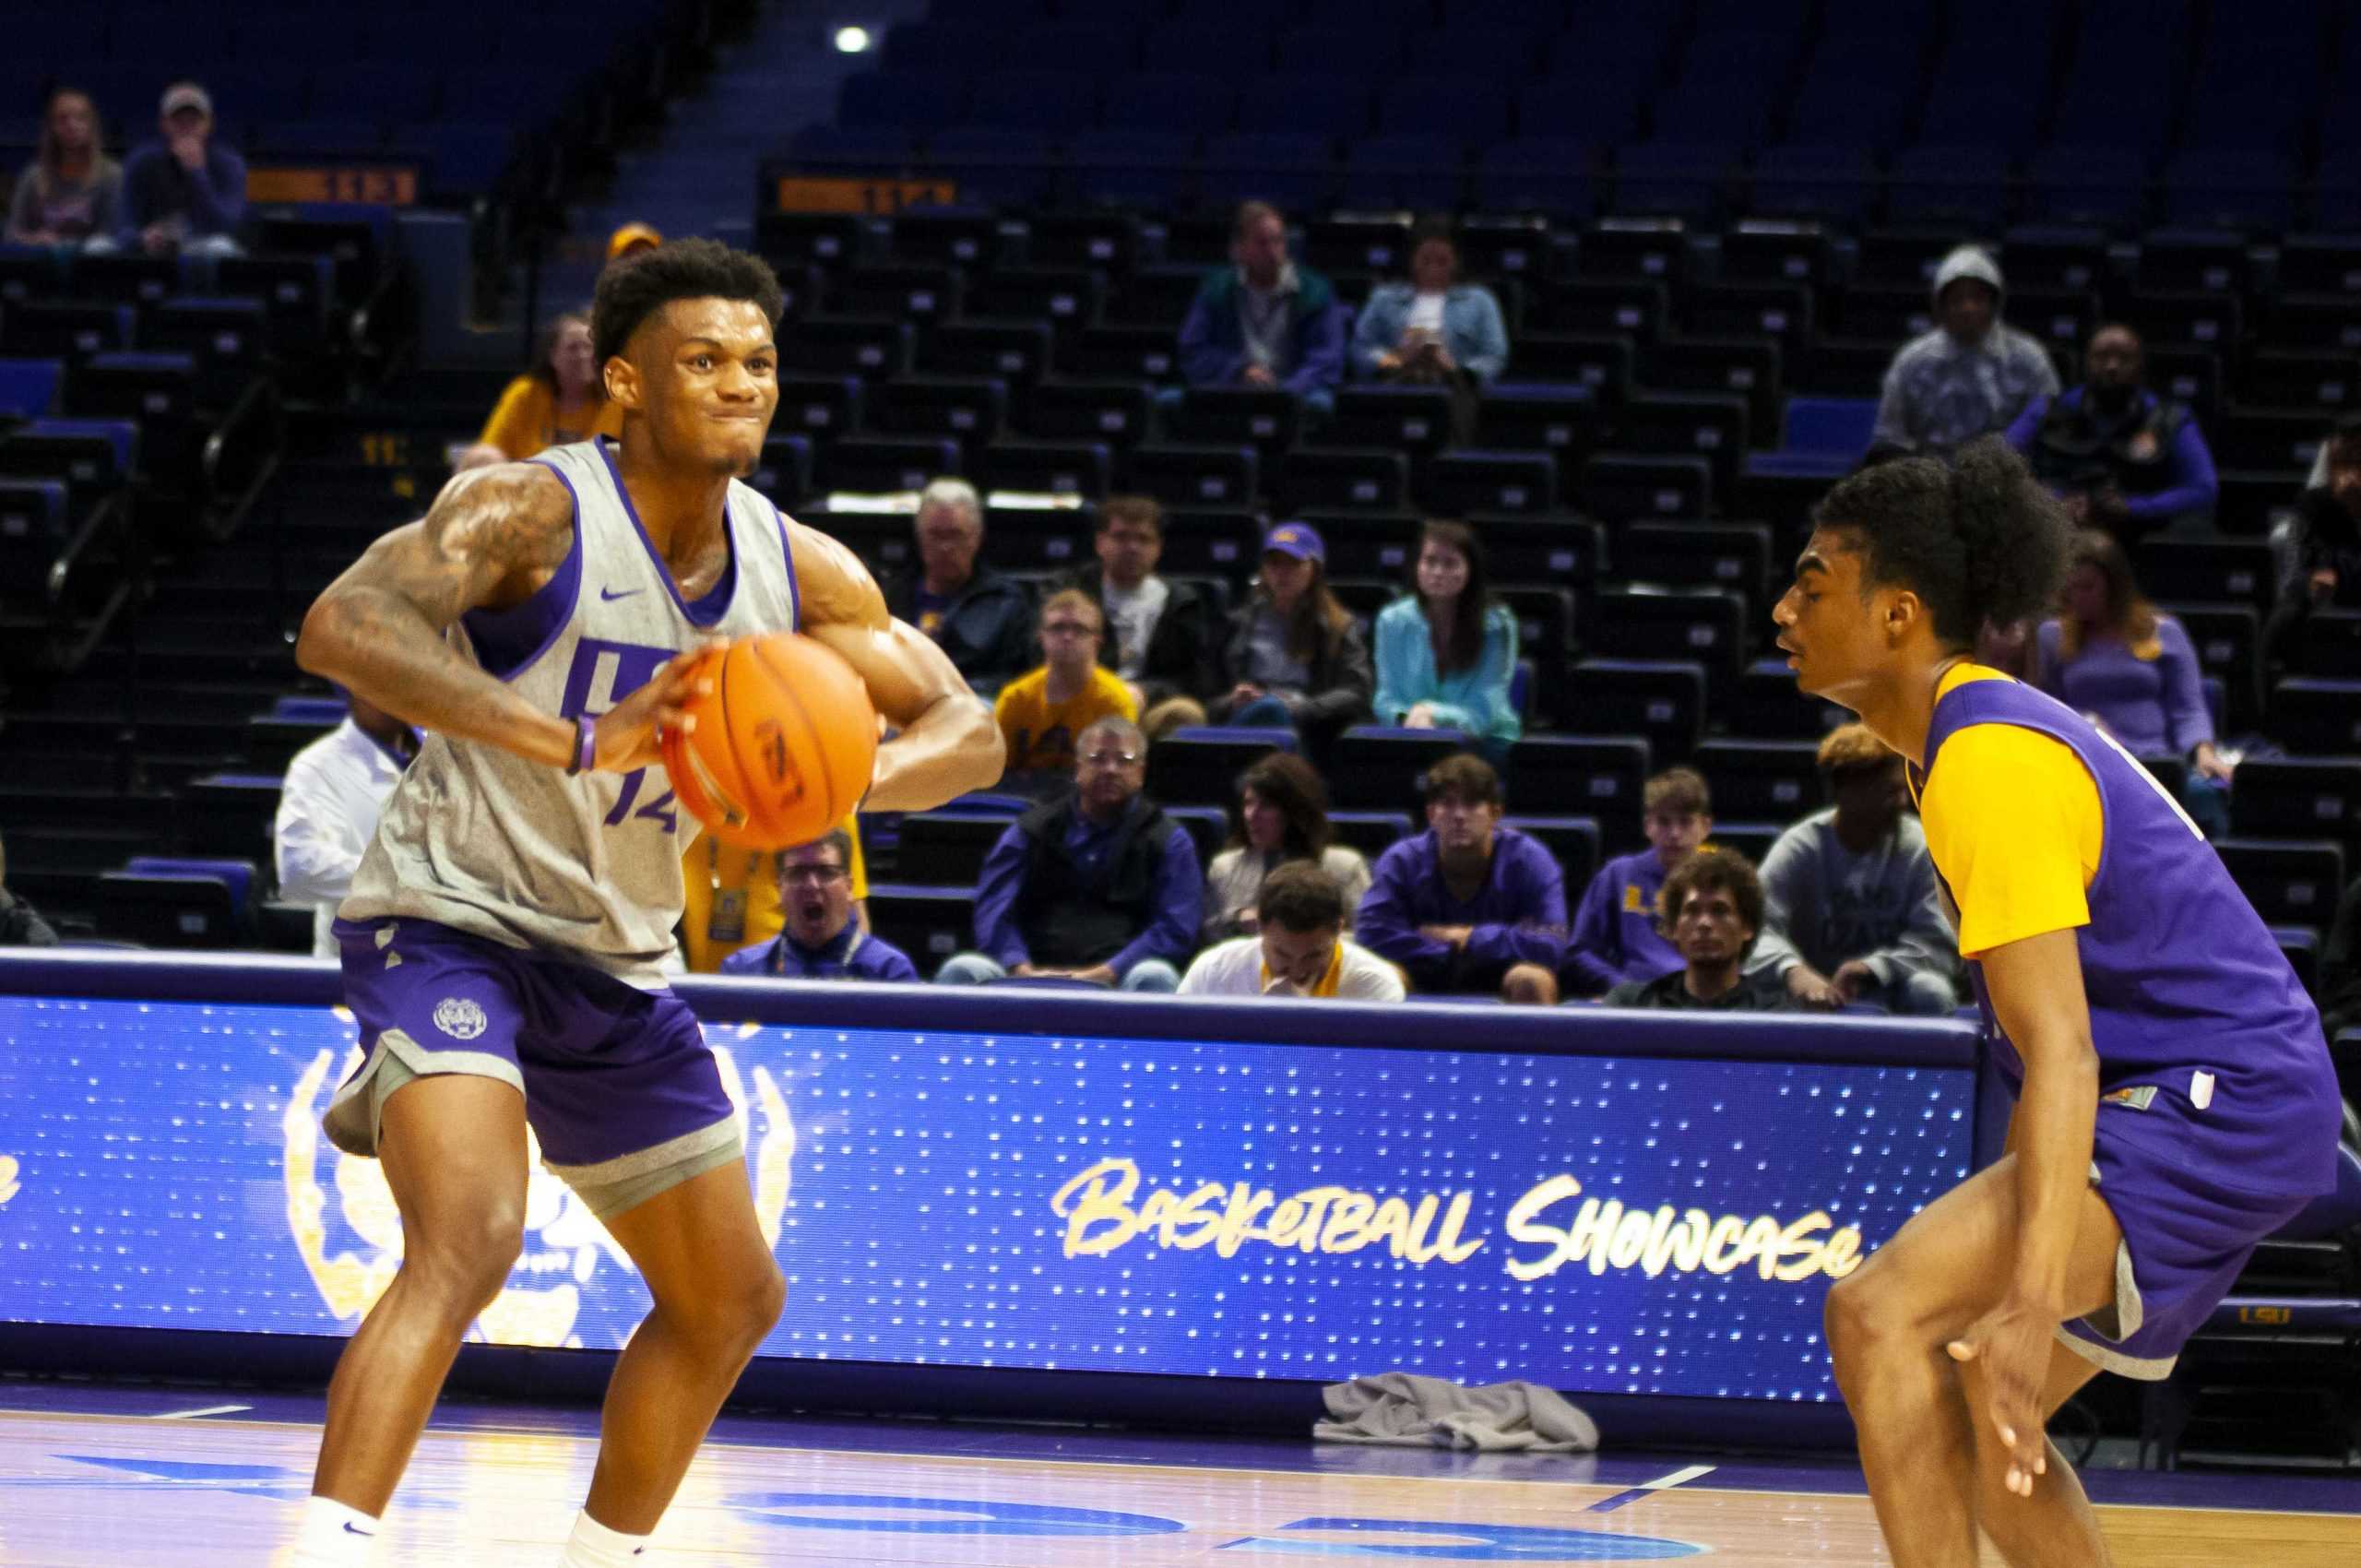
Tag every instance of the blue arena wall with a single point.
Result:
(1046, 1203)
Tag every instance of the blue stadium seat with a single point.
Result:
(1949, 183)
(1546, 174)
(913, 101)
(1202, 765)
(1821, 436)
(1193, 476)
(1458, 481)
(1854, 96)
(28, 387)
(1813, 181)
(1292, 168)
(1365, 49)
(2216, 187)
(928, 923)
(2319, 717)
(1727, 87)
(1500, 54)
(227, 814)
(1413, 172)
(1598, 775)
(1234, 46)
(2288, 882)
(1324, 106)
(940, 45)
(33, 509)
(996, 165)
(865, 465)
(1983, 113)
(2125, 115)
(2096, 185)
(1573, 842)
(1095, 50)
(1378, 766)
(1143, 168)
(1685, 179)
(1040, 101)
(1191, 102)
(1761, 780)
(1567, 108)
(1460, 109)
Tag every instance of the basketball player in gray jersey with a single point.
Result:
(502, 942)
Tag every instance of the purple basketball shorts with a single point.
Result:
(618, 1082)
(2188, 1231)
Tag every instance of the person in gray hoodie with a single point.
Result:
(1851, 910)
(1971, 375)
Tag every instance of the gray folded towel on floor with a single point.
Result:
(1411, 1410)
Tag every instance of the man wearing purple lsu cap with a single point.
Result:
(187, 191)
(1294, 657)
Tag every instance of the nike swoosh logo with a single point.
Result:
(609, 595)
(352, 1529)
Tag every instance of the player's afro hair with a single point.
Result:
(636, 288)
(1975, 537)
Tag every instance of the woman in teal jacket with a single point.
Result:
(1446, 652)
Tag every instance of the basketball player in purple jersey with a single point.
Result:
(2175, 1101)
(504, 943)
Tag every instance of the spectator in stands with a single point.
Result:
(1282, 819)
(1041, 711)
(819, 939)
(1468, 906)
(328, 805)
(731, 897)
(1300, 948)
(2340, 979)
(1100, 886)
(1713, 909)
(981, 619)
(187, 191)
(2319, 551)
(2121, 458)
(1294, 655)
(1972, 374)
(1162, 630)
(1264, 321)
(1446, 652)
(1432, 329)
(21, 923)
(71, 191)
(2130, 669)
(561, 399)
(1618, 932)
(1850, 909)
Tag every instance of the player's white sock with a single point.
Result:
(595, 1546)
(334, 1536)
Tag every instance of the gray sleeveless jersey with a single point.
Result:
(482, 840)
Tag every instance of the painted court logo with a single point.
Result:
(459, 1018)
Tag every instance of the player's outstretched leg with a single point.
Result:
(1888, 1325)
(452, 1146)
(718, 1292)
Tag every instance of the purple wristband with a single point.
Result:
(586, 744)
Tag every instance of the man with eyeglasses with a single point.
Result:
(1041, 711)
(819, 940)
(1100, 885)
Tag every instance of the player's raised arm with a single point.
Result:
(948, 743)
(490, 540)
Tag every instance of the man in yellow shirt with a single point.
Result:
(1041, 711)
(733, 898)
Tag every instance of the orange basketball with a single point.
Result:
(784, 745)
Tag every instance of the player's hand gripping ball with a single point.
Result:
(784, 745)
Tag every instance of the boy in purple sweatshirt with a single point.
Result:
(1468, 906)
(1616, 937)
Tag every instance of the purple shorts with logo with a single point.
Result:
(2186, 1234)
(618, 1082)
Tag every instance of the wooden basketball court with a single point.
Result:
(131, 1478)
